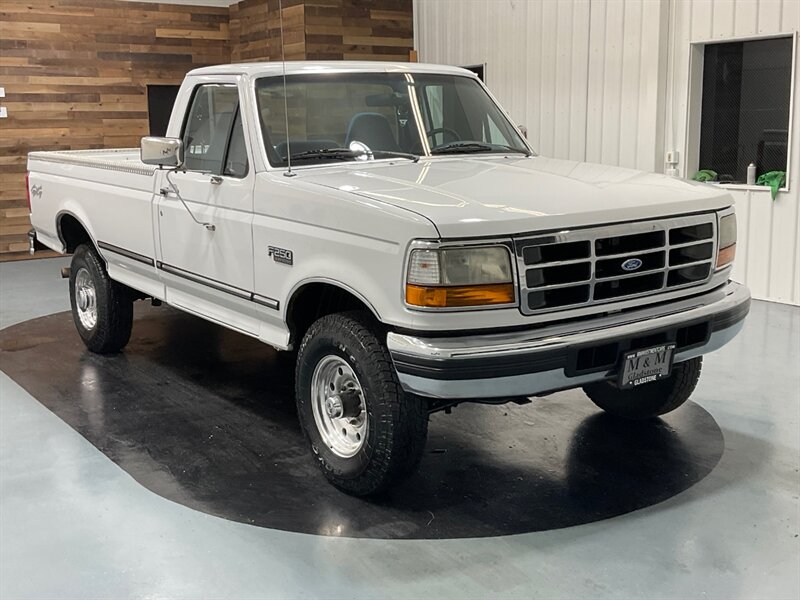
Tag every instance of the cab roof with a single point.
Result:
(293, 67)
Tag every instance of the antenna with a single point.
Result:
(289, 172)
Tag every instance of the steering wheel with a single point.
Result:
(447, 130)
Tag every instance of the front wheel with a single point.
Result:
(364, 431)
(101, 308)
(650, 399)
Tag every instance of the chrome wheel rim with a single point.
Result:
(340, 411)
(85, 299)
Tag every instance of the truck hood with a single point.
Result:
(498, 196)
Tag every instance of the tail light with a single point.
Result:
(28, 190)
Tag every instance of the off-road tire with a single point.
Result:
(650, 399)
(114, 304)
(398, 422)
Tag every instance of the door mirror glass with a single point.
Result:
(362, 148)
(162, 151)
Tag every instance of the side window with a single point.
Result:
(236, 159)
(434, 99)
(492, 133)
(208, 126)
(433, 95)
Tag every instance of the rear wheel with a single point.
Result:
(364, 431)
(651, 399)
(101, 308)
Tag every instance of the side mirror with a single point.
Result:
(162, 151)
(364, 153)
(523, 130)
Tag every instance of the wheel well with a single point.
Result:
(315, 300)
(72, 233)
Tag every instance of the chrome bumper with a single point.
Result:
(557, 357)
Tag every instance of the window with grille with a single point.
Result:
(745, 107)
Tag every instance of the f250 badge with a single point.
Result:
(36, 191)
(281, 255)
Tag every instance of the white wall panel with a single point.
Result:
(578, 73)
(536, 56)
(608, 81)
(768, 253)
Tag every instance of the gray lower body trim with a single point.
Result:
(219, 286)
(539, 360)
(534, 384)
(193, 277)
(126, 253)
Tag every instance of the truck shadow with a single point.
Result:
(205, 417)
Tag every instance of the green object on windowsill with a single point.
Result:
(705, 175)
(774, 179)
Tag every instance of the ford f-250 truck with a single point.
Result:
(390, 226)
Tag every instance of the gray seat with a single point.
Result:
(372, 129)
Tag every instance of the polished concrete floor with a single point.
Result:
(78, 522)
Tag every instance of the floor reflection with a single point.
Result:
(205, 417)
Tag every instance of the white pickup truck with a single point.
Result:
(389, 225)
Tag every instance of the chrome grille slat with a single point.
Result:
(607, 282)
(641, 252)
(632, 275)
(687, 244)
(686, 265)
(558, 263)
(556, 286)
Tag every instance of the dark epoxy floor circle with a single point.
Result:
(205, 417)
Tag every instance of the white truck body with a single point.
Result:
(351, 225)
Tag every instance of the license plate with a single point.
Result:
(646, 366)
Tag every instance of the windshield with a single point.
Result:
(385, 114)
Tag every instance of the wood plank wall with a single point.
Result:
(365, 30)
(256, 30)
(75, 71)
(322, 30)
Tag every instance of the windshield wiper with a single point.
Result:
(347, 154)
(335, 153)
(472, 147)
(393, 154)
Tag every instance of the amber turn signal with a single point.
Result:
(726, 255)
(460, 295)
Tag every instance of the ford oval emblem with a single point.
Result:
(631, 264)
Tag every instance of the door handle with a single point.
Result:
(216, 179)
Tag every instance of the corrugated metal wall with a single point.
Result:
(607, 81)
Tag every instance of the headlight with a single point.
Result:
(459, 277)
(727, 240)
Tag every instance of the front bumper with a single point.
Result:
(563, 356)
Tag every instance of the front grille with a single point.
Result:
(605, 264)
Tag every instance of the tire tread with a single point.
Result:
(652, 399)
(398, 452)
(114, 305)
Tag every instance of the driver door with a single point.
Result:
(206, 239)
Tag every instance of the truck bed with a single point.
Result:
(110, 193)
(125, 160)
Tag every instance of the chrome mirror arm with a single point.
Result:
(174, 188)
